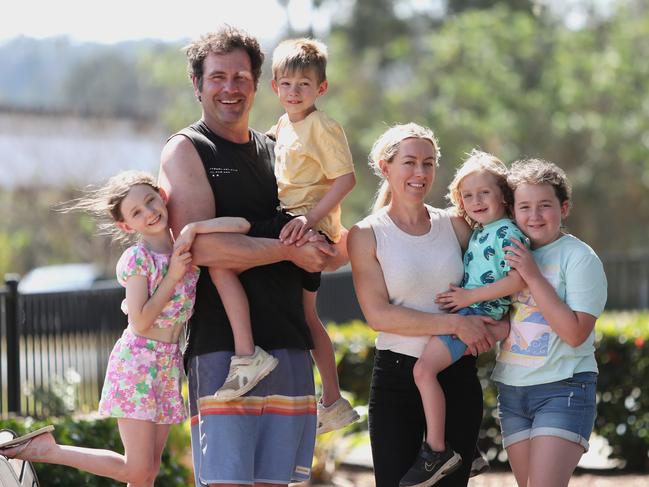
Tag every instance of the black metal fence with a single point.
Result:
(53, 341)
(628, 280)
(54, 347)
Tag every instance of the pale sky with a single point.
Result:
(117, 20)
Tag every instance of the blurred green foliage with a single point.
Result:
(508, 76)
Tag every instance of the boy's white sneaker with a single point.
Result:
(336, 416)
(245, 373)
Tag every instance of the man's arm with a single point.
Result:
(183, 178)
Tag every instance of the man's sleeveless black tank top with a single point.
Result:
(243, 182)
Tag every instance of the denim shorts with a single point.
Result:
(457, 347)
(565, 409)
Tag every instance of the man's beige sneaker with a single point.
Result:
(336, 416)
(245, 373)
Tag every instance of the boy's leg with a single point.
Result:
(323, 350)
(435, 358)
(250, 364)
(236, 306)
(334, 411)
(342, 256)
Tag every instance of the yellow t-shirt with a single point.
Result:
(309, 155)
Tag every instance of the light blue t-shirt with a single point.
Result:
(484, 262)
(533, 353)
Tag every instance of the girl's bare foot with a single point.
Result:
(37, 449)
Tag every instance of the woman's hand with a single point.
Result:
(454, 299)
(475, 333)
(519, 257)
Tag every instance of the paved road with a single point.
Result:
(356, 478)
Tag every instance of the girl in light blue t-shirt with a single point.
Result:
(546, 371)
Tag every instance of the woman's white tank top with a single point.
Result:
(415, 268)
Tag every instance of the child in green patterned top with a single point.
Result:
(479, 193)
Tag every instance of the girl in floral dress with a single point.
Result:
(143, 378)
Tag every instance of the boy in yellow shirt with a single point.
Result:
(314, 172)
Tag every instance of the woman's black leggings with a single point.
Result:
(397, 422)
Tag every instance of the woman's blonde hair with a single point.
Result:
(104, 202)
(387, 146)
(479, 161)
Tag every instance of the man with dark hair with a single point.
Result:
(218, 166)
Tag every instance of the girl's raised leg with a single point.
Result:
(135, 467)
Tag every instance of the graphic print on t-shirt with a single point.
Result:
(528, 343)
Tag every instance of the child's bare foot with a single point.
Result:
(37, 449)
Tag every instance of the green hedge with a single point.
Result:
(623, 393)
(103, 433)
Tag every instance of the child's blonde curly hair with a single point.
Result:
(479, 161)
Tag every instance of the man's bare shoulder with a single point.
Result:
(178, 148)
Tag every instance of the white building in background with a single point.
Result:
(44, 148)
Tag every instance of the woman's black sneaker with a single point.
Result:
(431, 466)
(480, 463)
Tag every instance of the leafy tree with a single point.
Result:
(516, 85)
(457, 6)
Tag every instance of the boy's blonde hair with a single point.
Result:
(105, 202)
(387, 146)
(476, 162)
(539, 171)
(299, 55)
